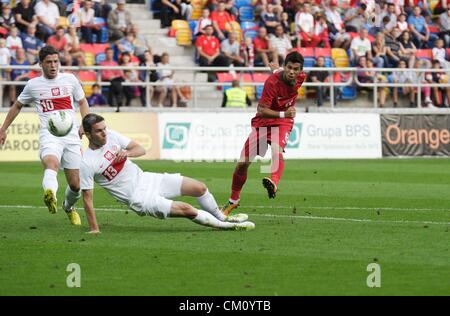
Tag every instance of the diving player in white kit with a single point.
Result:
(54, 91)
(106, 163)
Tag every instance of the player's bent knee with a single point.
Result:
(74, 188)
(201, 188)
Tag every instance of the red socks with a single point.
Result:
(277, 168)
(238, 183)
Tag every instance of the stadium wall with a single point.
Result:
(220, 135)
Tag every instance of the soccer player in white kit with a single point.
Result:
(55, 91)
(106, 163)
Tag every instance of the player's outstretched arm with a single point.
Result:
(88, 202)
(133, 150)
(10, 117)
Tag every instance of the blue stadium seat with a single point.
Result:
(251, 33)
(99, 58)
(246, 14)
(193, 25)
(309, 62)
(348, 93)
(328, 62)
(104, 35)
(259, 90)
(243, 3)
(248, 25)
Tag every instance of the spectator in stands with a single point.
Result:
(119, 21)
(126, 44)
(444, 22)
(231, 8)
(263, 48)
(24, 15)
(140, 43)
(59, 42)
(390, 12)
(31, 44)
(170, 10)
(208, 47)
(393, 47)
(186, 9)
(402, 77)
(231, 50)
(102, 9)
(166, 76)
(401, 23)
(361, 46)
(13, 41)
(269, 19)
(304, 24)
(416, 77)
(321, 76)
(355, 18)
(5, 57)
(339, 37)
(212, 5)
(203, 21)
(439, 53)
(48, 17)
(221, 21)
(419, 28)
(130, 92)
(248, 51)
(88, 28)
(96, 98)
(379, 51)
(321, 31)
(7, 20)
(281, 43)
(285, 23)
(441, 95)
(73, 42)
(408, 49)
(153, 77)
(367, 75)
(235, 97)
(18, 74)
(115, 77)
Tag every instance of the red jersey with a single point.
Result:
(209, 45)
(278, 96)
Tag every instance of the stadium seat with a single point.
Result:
(248, 25)
(348, 93)
(99, 58)
(424, 54)
(243, 3)
(305, 51)
(184, 37)
(340, 57)
(325, 53)
(246, 14)
(193, 25)
(89, 58)
(251, 33)
(179, 25)
(87, 76)
(63, 21)
(99, 21)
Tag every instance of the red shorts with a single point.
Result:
(261, 137)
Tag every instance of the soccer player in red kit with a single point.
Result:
(272, 125)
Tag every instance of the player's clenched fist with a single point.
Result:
(121, 155)
(290, 112)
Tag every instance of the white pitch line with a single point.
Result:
(324, 218)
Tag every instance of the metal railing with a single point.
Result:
(351, 81)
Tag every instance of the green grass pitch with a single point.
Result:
(330, 220)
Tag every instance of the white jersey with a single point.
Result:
(119, 179)
(49, 95)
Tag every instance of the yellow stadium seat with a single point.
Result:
(87, 89)
(250, 91)
(180, 25)
(340, 57)
(89, 59)
(302, 93)
(184, 37)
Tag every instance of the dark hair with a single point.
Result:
(91, 119)
(294, 57)
(46, 51)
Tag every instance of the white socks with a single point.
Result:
(206, 219)
(71, 198)
(50, 181)
(209, 204)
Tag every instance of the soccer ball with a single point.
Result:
(60, 123)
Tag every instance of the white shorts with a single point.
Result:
(66, 150)
(154, 193)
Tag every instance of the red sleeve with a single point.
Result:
(268, 94)
(301, 77)
(198, 41)
(213, 16)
